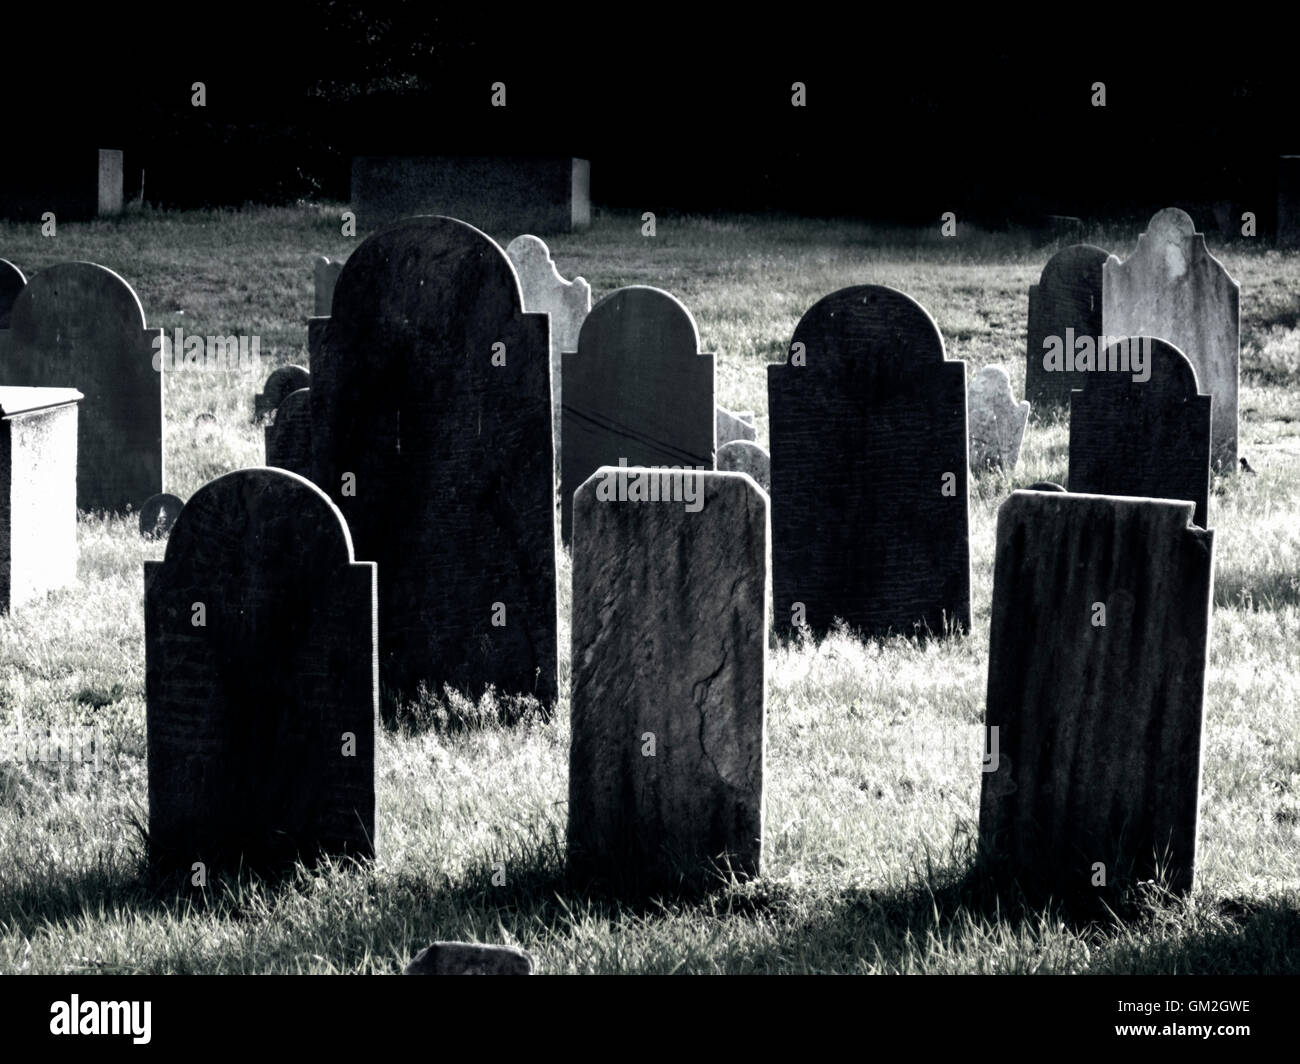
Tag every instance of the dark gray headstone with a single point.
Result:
(1064, 306)
(282, 382)
(158, 514)
(449, 455)
(288, 436)
(742, 456)
(669, 676)
(870, 527)
(325, 275)
(261, 719)
(12, 282)
(1149, 438)
(637, 390)
(1098, 744)
(470, 958)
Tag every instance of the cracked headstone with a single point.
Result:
(996, 420)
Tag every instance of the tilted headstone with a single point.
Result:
(12, 282)
(1096, 684)
(1064, 309)
(546, 292)
(431, 429)
(1171, 287)
(78, 325)
(734, 427)
(742, 456)
(158, 514)
(996, 420)
(288, 437)
(1142, 432)
(470, 958)
(282, 382)
(325, 275)
(260, 679)
(38, 492)
(669, 676)
(637, 390)
(872, 529)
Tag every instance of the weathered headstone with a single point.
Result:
(1064, 306)
(38, 492)
(1145, 433)
(78, 325)
(1171, 287)
(546, 292)
(730, 426)
(669, 676)
(743, 456)
(288, 437)
(637, 390)
(1096, 683)
(158, 514)
(997, 421)
(260, 679)
(282, 382)
(12, 282)
(431, 429)
(325, 275)
(470, 958)
(874, 529)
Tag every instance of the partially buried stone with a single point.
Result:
(470, 958)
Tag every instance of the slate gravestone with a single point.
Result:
(731, 426)
(288, 437)
(38, 492)
(325, 275)
(874, 530)
(1096, 683)
(158, 514)
(431, 429)
(1288, 201)
(282, 382)
(260, 679)
(637, 390)
(470, 958)
(742, 456)
(1064, 306)
(78, 325)
(315, 335)
(12, 282)
(1173, 288)
(546, 292)
(996, 420)
(669, 676)
(1148, 438)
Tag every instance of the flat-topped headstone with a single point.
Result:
(158, 514)
(996, 420)
(288, 436)
(431, 430)
(872, 528)
(260, 679)
(325, 275)
(1096, 683)
(1142, 431)
(470, 958)
(637, 390)
(743, 456)
(731, 426)
(1171, 287)
(38, 492)
(669, 676)
(12, 281)
(79, 325)
(1064, 313)
(281, 383)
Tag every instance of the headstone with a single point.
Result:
(734, 427)
(38, 492)
(546, 292)
(1096, 683)
(470, 958)
(1171, 287)
(637, 390)
(669, 676)
(742, 456)
(1145, 433)
(315, 335)
(282, 382)
(872, 529)
(325, 274)
(158, 514)
(1045, 485)
(1288, 201)
(431, 429)
(12, 282)
(997, 421)
(288, 437)
(1064, 306)
(78, 325)
(260, 679)
(499, 194)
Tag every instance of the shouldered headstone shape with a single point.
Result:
(1142, 428)
(1096, 686)
(1171, 287)
(325, 275)
(260, 679)
(997, 421)
(1064, 308)
(79, 325)
(872, 529)
(288, 437)
(637, 391)
(431, 430)
(12, 282)
(282, 382)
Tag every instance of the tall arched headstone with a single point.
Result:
(79, 325)
(12, 281)
(636, 391)
(431, 430)
(1171, 287)
(260, 678)
(872, 527)
(1064, 305)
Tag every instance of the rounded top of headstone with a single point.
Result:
(1066, 265)
(11, 277)
(1044, 485)
(1172, 223)
(284, 380)
(871, 319)
(528, 248)
(621, 314)
(71, 300)
(296, 401)
(158, 514)
(1164, 368)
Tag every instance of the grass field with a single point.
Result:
(873, 748)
